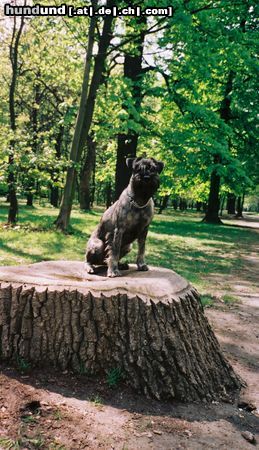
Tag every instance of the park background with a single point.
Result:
(79, 95)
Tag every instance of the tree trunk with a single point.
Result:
(85, 114)
(86, 176)
(126, 147)
(29, 184)
(108, 195)
(54, 196)
(29, 199)
(11, 179)
(222, 204)
(12, 197)
(212, 213)
(182, 204)
(175, 204)
(63, 218)
(149, 325)
(204, 207)
(92, 197)
(231, 203)
(240, 205)
(128, 142)
(198, 206)
(54, 190)
(163, 204)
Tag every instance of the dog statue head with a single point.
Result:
(145, 175)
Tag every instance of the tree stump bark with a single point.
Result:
(150, 325)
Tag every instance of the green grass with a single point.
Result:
(58, 414)
(230, 299)
(207, 300)
(96, 400)
(8, 443)
(29, 419)
(35, 239)
(23, 366)
(114, 376)
(176, 240)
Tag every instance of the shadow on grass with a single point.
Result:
(187, 261)
(196, 250)
(44, 218)
(52, 249)
(195, 228)
(28, 255)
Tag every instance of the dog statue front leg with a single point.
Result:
(114, 254)
(141, 250)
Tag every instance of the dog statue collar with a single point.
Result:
(132, 201)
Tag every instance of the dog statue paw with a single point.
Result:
(113, 273)
(89, 268)
(143, 267)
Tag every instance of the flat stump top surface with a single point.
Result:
(157, 283)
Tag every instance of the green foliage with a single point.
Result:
(9, 444)
(56, 446)
(96, 400)
(207, 301)
(29, 419)
(83, 370)
(35, 442)
(114, 376)
(22, 365)
(58, 415)
(186, 67)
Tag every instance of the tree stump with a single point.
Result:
(150, 325)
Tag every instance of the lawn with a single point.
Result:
(176, 240)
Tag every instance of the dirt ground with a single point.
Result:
(50, 410)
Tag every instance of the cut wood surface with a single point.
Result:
(150, 326)
(157, 284)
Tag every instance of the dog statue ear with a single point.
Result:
(160, 166)
(129, 162)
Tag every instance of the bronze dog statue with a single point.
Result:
(126, 220)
